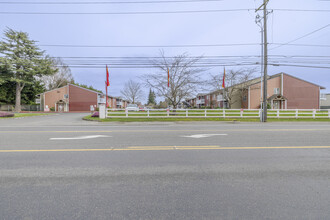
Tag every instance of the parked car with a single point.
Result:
(132, 107)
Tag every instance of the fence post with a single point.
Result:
(148, 113)
(126, 111)
(278, 113)
(241, 113)
(223, 113)
(329, 114)
(205, 113)
(296, 113)
(168, 112)
(314, 112)
(186, 112)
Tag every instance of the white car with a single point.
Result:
(132, 107)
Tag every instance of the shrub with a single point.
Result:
(95, 115)
(6, 114)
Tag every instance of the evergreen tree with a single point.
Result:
(28, 95)
(151, 98)
(22, 62)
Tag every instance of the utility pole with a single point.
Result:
(259, 23)
(265, 63)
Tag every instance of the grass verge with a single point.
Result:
(89, 118)
(20, 115)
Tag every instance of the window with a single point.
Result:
(276, 91)
(244, 98)
(323, 96)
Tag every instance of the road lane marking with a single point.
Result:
(168, 148)
(203, 135)
(80, 138)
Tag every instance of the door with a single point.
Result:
(276, 105)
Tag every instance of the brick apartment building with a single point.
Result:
(284, 92)
(73, 98)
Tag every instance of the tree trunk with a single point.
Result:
(18, 97)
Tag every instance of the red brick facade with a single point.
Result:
(81, 99)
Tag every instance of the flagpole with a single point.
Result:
(106, 87)
(168, 86)
(106, 95)
(106, 90)
(224, 86)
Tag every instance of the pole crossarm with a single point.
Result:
(265, 3)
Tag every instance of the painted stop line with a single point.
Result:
(203, 135)
(81, 137)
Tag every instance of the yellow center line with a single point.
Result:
(154, 131)
(55, 131)
(158, 148)
(147, 147)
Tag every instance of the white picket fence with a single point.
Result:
(217, 113)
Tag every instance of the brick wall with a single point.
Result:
(81, 99)
(300, 94)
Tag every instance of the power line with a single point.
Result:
(301, 10)
(124, 13)
(102, 66)
(106, 2)
(306, 35)
(302, 45)
(153, 66)
(152, 46)
(152, 12)
(304, 66)
(224, 56)
(169, 46)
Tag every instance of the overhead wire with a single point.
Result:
(306, 35)
(124, 13)
(106, 2)
(153, 12)
(152, 46)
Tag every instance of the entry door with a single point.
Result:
(276, 105)
(60, 107)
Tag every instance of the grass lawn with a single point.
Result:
(203, 119)
(19, 115)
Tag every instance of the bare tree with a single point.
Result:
(59, 79)
(184, 78)
(237, 82)
(132, 91)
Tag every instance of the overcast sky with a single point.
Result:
(222, 27)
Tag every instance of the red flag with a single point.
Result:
(168, 77)
(108, 82)
(223, 79)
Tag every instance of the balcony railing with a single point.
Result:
(101, 100)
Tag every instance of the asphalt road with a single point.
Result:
(60, 167)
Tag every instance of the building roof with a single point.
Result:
(278, 97)
(253, 82)
(85, 88)
(71, 85)
(279, 74)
